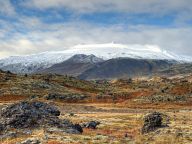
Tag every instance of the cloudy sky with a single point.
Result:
(32, 26)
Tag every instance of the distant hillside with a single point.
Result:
(176, 69)
(124, 68)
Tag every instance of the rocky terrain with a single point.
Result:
(57, 109)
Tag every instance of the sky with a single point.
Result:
(33, 26)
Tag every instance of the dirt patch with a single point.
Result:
(9, 98)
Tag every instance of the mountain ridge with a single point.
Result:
(38, 62)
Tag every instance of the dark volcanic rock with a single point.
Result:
(78, 127)
(28, 115)
(1, 127)
(152, 122)
(91, 124)
(25, 115)
(8, 135)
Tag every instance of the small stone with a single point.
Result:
(91, 124)
(78, 128)
(31, 141)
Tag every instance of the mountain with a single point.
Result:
(38, 62)
(125, 68)
(74, 66)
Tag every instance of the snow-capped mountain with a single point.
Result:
(35, 62)
(111, 50)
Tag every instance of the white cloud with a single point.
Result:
(6, 8)
(30, 35)
(135, 6)
(47, 37)
(181, 9)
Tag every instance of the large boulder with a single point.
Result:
(28, 114)
(32, 115)
(152, 122)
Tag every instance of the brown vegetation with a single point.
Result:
(119, 106)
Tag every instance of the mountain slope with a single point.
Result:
(37, 62)
(176, 69)
(124, 68)
(32, 63)
(74, 66)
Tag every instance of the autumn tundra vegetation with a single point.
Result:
(56, 109)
